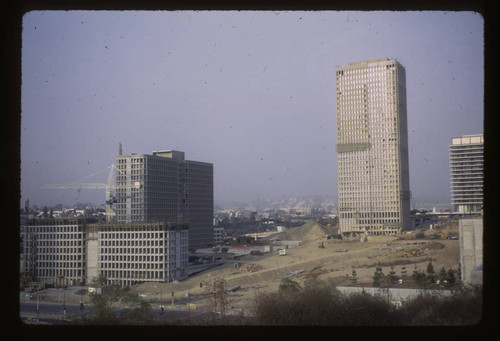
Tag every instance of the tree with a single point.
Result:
(392, 275)
(133, 308)
(101, 308)
(136, 314)
(377, 276)
(450, 278)
(442, 274)
(420, 278)
(354, 278)
(100, 280)
(431, 276)
(403, 272)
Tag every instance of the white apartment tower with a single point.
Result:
(467, 172)
(372, 148)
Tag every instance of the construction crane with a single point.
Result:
(109, 187)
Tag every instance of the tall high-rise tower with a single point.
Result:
(467, 172)
(164, 187)
(372, 148)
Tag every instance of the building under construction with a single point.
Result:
(164, 208)
(76, 251)
(164, 187)
(54, 251)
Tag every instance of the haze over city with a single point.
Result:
(252, 92)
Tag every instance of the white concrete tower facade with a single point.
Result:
(467, 173)
(372, 148)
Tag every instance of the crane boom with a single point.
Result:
(75, 186)
(110, 186)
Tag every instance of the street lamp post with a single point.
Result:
(64, 303)
(161, 300)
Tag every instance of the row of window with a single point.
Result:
(40, 229)
(63, 265)
(131, 266)
(54, 254)
(67, 273)
(131, 274)
(136, 258)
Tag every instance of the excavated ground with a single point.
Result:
(328, 264)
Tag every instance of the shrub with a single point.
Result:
(306, 307)
(319, 305)
(461, 308)
(362, 309)
(289, 285)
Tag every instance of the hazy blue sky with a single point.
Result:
(251, 92)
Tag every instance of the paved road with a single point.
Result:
(51, 312)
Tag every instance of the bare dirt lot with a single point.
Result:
(333, 263)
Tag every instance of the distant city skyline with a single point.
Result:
(252, 92)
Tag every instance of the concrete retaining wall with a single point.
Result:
(394, 295)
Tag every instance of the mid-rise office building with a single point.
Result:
(53, 251)
(128, 254)
(75, 251)
(164, 187)
(372, 148)
(467, 173)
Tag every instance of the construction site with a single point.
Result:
(229, 280)
(303, 253)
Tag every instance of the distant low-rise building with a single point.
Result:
(218, 235)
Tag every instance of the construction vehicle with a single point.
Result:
(442, 235)
(252, 268)
(411, 253)
(256, 253)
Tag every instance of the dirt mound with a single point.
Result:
(435, 246)
(307, 232)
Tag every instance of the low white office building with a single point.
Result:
(53, 251)
(76, 251)
(128, 254)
